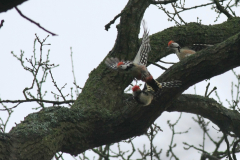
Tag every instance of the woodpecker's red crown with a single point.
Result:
(170, 42)
(120, 63)
(135, 88)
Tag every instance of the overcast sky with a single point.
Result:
(80, 25)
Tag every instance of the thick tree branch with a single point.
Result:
(226, 119)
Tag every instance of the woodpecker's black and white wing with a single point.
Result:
(150, 90)
(142, 55)
(113, 62)
(171, 84)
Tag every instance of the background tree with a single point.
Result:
(99, 116)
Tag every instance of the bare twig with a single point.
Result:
(207, 89)
(168, 14)
(176, 12)
(74, 78)
(107, 26)
(214, 88)
(37, 100)
(157, 65)
(234, 149)
(58, 156)
(55, 84)
(1, 24)
(162, 2)
(7, 109)
(167, 62)
(194, 7)
(53, 34)
(228, 146)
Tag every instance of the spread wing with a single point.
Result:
(113, 62)
(142, 55)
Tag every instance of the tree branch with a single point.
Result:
(37, 100)
(221, 9)
(1, 24)
(53, 34)
(162, 2)
(107, 26)
(155, 64)
(225, 119)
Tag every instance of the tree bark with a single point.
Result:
(99, 115)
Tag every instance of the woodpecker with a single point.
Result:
(146, 95)
(137, 68)
(181, 53)
(143, 97)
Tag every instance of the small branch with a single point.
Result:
(166, 62)
(194, 7)
(207, 89)
(221, 9)
(215, 88)
(53, 34)
(157, 65)
(1, 24)
(162, 2)
(37, 100)
(74, 78)
(55, 84)
(9, 109)
(176, 12)
(234, 149)
(107, 26)
(228, 146)
(168, 14)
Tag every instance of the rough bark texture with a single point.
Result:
(9, 4)
(99, 116)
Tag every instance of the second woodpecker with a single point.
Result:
(180, 52)
(146, 95)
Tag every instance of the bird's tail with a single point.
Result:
(171, 84)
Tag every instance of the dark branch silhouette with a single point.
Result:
(53, 34)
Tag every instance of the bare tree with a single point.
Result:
(98, 118)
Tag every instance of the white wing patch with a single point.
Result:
(142, 55)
